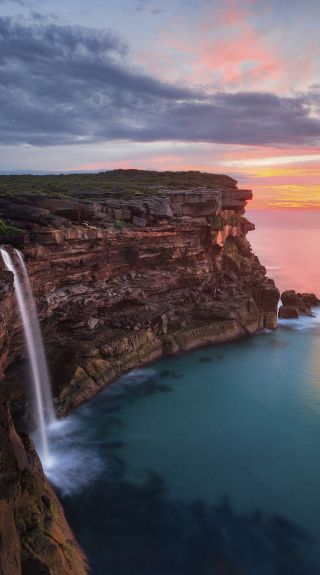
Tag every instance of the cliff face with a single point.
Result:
(35, 537)
(119, 280)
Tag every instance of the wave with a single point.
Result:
(303, 322)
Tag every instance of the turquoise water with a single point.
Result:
(204, 463)
(208, 463)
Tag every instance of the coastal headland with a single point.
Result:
(125, 266)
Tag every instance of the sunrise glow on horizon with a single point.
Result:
(222, 87)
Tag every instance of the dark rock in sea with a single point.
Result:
(288, 312)
(295, 304)
(310, 299)
(289, 298)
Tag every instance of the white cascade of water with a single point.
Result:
(37, 338)
(36, 354)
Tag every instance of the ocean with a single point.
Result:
(208, 462)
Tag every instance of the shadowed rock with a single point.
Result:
(35, 538)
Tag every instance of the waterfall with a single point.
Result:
(36, 354)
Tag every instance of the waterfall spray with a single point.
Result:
(33, 338)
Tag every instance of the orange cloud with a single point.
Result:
(293, 181)
(228, 45)
(287, 195)
(223, 48)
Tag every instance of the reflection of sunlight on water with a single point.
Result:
(287, 243)
(74, 462)
(273, 268)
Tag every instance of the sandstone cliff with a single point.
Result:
(122, 276)
(35, 538)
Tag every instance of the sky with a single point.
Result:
(225, 86)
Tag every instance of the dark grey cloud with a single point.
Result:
(61, 84)
(148, 6)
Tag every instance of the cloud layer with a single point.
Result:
(64, 84)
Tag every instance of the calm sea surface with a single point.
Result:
(287, 242)
(208, 463)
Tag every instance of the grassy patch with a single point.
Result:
(231, 251)
(8, 230)
(120, 224)
(126, 183)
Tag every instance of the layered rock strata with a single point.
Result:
(121, 280)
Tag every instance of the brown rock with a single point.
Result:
(289, 298)
(301, 303)
(311, 299)
(92, 323)
(288, 312)
(35, 537)
(303, 307)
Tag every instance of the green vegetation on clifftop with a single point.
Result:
(123, 182)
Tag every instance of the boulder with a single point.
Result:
(289, 298)
(295, 304)
(288, 312)
(303, 307)
(310, 299)
(92, 323)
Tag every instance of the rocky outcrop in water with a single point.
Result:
(296, 304)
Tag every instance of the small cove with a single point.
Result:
(205, 457)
